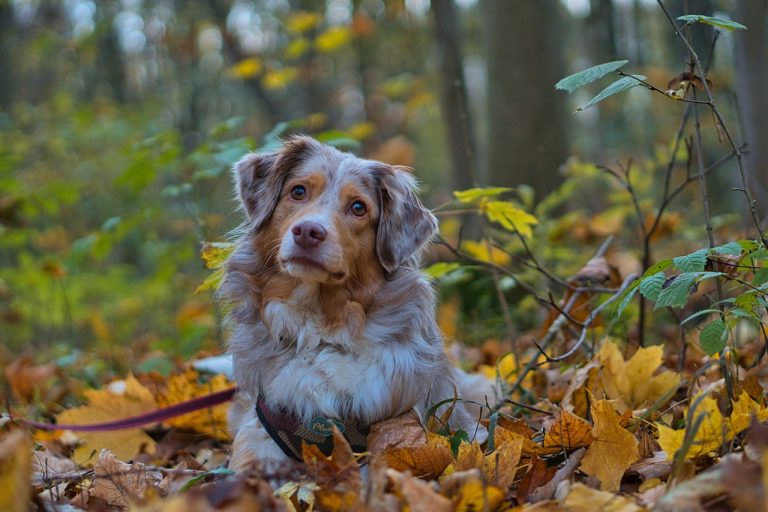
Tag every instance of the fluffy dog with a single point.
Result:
(333, 321)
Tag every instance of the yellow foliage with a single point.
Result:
(333, 39)
(633, 383)
(585, 499)
(613, 450)
(296, 48)
(302, 21)
(362, 130)
(15, 472)
(474, 495)
(714, 430)
(568, 432)
(428, 460)
(186, 386)
(280, 78)
(484, 251)
(215, 254)
(509, 216)
(121, 400)
(246, 68)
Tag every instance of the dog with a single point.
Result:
(333, 322)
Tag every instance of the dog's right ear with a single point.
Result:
(259, 178)
(257, 190)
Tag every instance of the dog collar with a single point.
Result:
(288, 431)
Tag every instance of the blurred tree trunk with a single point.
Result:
(453, 96)
(527, 131)
(601, 31)
(751, 56)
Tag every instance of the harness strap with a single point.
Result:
(288, 431)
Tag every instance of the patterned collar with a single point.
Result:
(288, 431)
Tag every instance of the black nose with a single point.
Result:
(308, 234)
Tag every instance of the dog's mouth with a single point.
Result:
(307, 263)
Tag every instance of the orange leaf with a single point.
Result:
(613, 450)
(427, 461)
(568, 432)
(397, 432)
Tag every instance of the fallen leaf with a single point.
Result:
(475, 495)
(400, 431)
(613, 450)
(27, 379)
(427, 461)
(585, 499)
(119, 483)
(121, 400)
(188, 385)
(420, 495)
(15, 471)
(500, 466)
(539, 474)
(547, 491)
(567, 432)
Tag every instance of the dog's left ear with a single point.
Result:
(405, 225)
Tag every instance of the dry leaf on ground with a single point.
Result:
(15, 471)
(566, 431)
(119, 483)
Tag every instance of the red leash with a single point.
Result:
(203, 402)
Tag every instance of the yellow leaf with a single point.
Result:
(302, 21)
(121, 400)
(714, 429)
(613, 450)
(633, 382)
(585, 499)
(15, 472)
(469, 456)
(296, 48)
(362, 131)
(280, 78)
(473, 194)
(215, 254)
(509, 216)
(427, 461)
(474, 495)
(510, 433)
(482, 250)
(500, 466)
(333, 39)
(211, 282)
(246, 68)
(188, 385)
(568, 432)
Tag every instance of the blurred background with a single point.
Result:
(119, 120)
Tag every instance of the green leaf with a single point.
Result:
(211, 282)
(199, 478)
(628, 298)
(729, 249)
(620, 85)
(473, 194)
(650, 287)
(720, 23)
(659, 266)
(676, 293)
(441, 269)
(697, 314)
(456, 440)
(713, 337)
(761, 277)
(576, 80)
(693, 262)
(747, 301)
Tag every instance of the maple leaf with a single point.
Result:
(633, 382)
(426, 461)
(188, 385)
(398, 432)
(585, 499)
(473, 494)
(118, 483)
(567, 432)
(120, 400)
(713, 429)
(613, 450)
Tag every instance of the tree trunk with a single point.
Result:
(751, 59)
(527, 131)
(453, 96)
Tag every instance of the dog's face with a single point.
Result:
(330, 217)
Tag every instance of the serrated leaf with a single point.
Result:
(747, 301)
(713, 337)
(589, 75)
(650, 287)
(620, 85)
(473, 194)
(214, 254)
(693, 262)
(729, 249)
(509, 216)
(720, 23)
(676, 294)
(628, 298)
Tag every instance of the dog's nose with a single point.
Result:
(308, 234)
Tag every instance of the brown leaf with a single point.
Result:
(26, 379)
(585, 499)
(568, 432)
(15, 471)
(427, 461)
(419, 494)
(118, 483)
(538, 474)
(613, 450)
(547, 491)
(500, 466)
(398, 432)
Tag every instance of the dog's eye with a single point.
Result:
(358, 208)
(299, 192)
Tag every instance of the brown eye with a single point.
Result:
(299, 193)
(358, 209)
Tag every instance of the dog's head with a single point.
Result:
(329, 216)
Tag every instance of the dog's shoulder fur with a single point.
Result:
(340, 322)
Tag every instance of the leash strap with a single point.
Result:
(288, 431)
